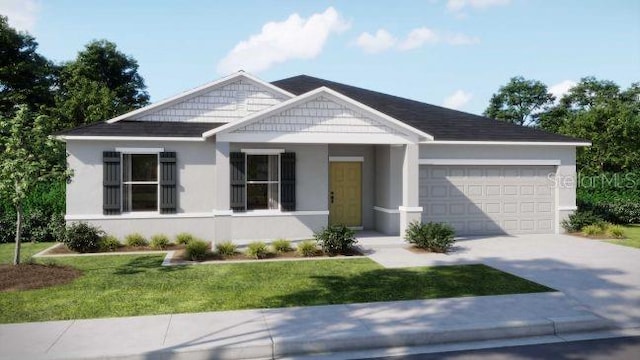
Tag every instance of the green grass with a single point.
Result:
(26, 251)
(113, 286)
(632, 233)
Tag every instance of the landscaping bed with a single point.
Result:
(62, 249)
(35, 276)
(180, 256)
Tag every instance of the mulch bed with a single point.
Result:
(179, 256)
(35, 276)
(417, 250)
(64, 250)
(594, 237)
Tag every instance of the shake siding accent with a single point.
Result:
(111, 182)
(228, 103)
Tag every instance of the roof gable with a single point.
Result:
(321, 115)
(224, 100)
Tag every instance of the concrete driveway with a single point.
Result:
(603, 277)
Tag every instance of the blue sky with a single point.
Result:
(445, 52)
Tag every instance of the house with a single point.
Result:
(242, 159)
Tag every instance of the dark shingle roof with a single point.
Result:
(143, 128)
(441, 123)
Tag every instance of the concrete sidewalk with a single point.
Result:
(276, 333)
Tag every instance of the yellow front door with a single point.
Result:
(345, 193)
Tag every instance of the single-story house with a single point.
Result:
(242, 159)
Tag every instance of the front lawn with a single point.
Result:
(27, 250)
(633, 237)
(130, 285)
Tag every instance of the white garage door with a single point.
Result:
(480, 200)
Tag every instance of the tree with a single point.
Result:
(27, 159)
(519, 101)
(26, 77)
(100, 83)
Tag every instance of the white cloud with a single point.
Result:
(459, 5)
(457, 100)
(379, 42)
(561, 88)
(22, 14)
(382, 40)
(417, 38)
(294, 38)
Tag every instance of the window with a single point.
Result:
(263, 182)
(139, 182)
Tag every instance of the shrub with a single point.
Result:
(109, 243)
(226, 248)
(616, 231)
(593, 230)
(135, 239)
(307, 248)
(579, 219)
(436, 237)
(82, 237)
(281, 245)
(258, 250)
(184, 238)
(336, 239)
(196, 249)
(160, 241)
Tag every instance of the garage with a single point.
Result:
(489, 200)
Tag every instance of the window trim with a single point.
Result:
(139, 151)
(247, 182)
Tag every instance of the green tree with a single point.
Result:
(26, 77)
(519, 101)
(28, 158)
(99, 84)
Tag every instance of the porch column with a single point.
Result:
(222, 188)
(410, 210)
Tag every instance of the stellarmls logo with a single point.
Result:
(620, 181)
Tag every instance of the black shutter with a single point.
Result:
(168, 182)
(111, 182)
(238, 192)
(288, 181)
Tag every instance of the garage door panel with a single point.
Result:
(489, 199)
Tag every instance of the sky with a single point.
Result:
(453, 53)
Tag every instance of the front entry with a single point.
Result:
(345, 193)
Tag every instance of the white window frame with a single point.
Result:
(247, 182)
(139, 151)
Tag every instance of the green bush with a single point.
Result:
(436, 237)
(83, 238)
(258, 250)
(307, 248)
(184, 238)
(109, 243)
(593, 230)
(616, 231)
(226, 248)
(336, 239)
(135, 239)
(579, 219)
(160, 241)
(197, 250)
(614, 197)
(281, 245)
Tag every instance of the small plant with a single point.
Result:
(616, 231)
(135, 239)
(109, 243)
(281, 245)
(579, 219)
(82, 237)
(184, 238)
(336, 239)
(226, 248)
(307, 248)
(593, 230)
(258, 250)
(197, 249)
(436, 237)
(160, 241)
